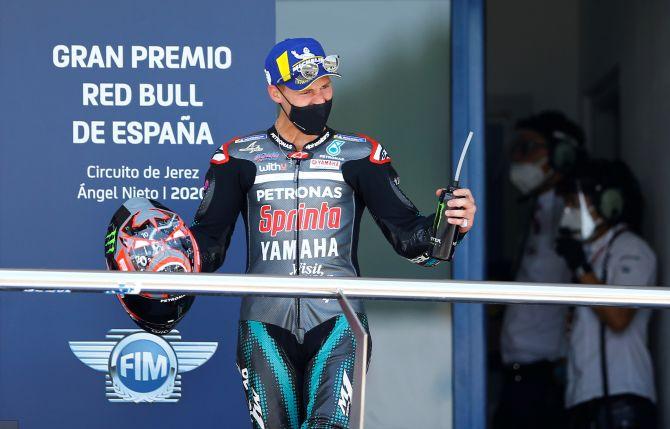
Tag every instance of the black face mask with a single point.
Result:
(310, 119)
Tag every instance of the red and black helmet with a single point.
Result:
(144, 235)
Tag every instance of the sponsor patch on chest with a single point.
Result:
(273, 167)
(324, 164)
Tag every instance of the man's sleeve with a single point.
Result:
(225, 186)
(376, 183)
(632, 263)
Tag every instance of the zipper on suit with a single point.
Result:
(296, 180)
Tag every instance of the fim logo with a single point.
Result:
(142, 367)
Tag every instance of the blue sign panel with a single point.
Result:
(103, 101)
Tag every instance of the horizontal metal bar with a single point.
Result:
(317, 287)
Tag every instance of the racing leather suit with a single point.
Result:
(302, 211)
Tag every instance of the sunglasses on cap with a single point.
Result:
(310, 68)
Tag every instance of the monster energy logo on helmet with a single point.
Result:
(110, 241)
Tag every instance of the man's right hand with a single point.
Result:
(462, 209)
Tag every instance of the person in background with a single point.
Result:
(545, 153)
(610, 373)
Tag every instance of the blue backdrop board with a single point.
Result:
(102, 101)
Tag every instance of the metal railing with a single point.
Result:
(115, 282)
(317, 287)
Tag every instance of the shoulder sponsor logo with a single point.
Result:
(335, 147)
(253, 147)
(324, 164)
(350, 138)
(142, 367)
(250, 138)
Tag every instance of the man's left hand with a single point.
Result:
(462, 209)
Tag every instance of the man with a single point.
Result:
(547, 148)
(302, 188)
(610, 372)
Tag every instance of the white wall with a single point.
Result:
(638, 41)
(394, 87)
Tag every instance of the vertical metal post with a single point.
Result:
(357, 411)
(467, 113)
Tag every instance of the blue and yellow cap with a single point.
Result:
(287, 58)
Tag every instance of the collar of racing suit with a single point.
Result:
(285, 145)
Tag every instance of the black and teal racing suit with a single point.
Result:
(302, 212)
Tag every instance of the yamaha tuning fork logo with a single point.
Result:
(142, 367)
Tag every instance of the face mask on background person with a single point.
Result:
(527, 177)
(571, 222)
(578, 220)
